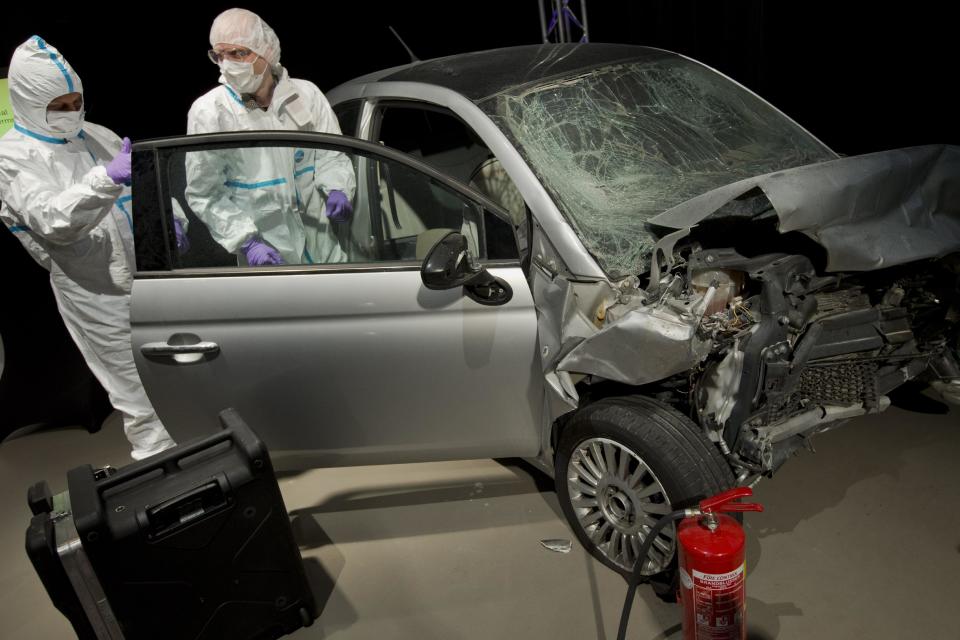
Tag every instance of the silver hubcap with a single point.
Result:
(617, 499)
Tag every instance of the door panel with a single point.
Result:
(341, 363)
(346, 368)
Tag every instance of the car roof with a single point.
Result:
(481, 74)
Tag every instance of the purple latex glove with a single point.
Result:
(339, 208)
(183, 241)
(119, 168)
(260, 253)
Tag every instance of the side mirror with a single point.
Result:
(449, 265)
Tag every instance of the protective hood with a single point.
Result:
(37, 75)
(869, 212)
(246, 29)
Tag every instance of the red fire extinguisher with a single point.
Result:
(712, 569)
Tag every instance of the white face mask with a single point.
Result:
(67, 123)
(240, 76)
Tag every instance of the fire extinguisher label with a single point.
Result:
(718, 601)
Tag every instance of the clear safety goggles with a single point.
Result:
(237, 55)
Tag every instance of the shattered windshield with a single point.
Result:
(622, 143)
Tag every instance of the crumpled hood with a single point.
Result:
(869, 212)
(37, 75)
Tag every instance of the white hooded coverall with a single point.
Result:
(278, 193)
(275, 192)
(74, 221)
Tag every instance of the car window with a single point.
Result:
(444, 141)
(621, 143)
(348, 114)
(273, 205)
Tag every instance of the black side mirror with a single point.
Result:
(449, 265)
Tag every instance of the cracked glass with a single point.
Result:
(622, 143)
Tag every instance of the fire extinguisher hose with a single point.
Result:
(636, 577)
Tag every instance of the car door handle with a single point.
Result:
(164, 349)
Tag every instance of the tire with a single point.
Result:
(670, 465)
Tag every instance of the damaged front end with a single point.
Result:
(815, 350)
(776, 307)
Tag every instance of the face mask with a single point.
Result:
(240, 76)
(66, 123)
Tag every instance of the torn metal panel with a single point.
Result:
(721, 384)
(557, 545)
(869, 212)
(663, 256)
(568, 312)
(595, 328)
(549, 294)
(578, 310)
(642, 345)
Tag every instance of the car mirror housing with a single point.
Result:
(449, 265)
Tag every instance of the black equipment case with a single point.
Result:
(191, 544)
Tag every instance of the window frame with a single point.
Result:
(379, 104)
(154, 235)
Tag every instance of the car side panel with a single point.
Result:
(335, 368)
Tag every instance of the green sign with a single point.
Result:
(6, 111)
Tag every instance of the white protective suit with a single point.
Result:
(75, 222)
(278, 193)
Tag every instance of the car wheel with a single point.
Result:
(621, 464)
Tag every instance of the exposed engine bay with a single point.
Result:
(770, 313)
(793, 351)
(767, 351)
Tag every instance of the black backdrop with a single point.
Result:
(860, 76)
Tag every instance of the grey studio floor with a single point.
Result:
(860, 540)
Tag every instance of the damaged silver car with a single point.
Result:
(611, 260)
